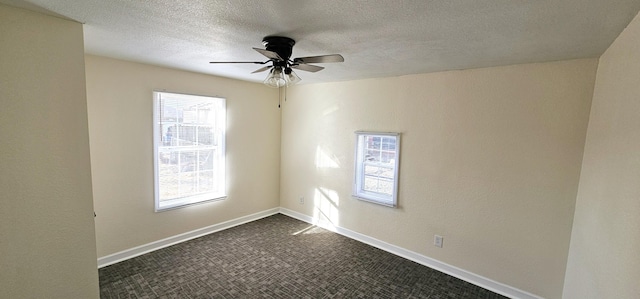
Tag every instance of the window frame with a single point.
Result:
(219, 168)
(359, 158)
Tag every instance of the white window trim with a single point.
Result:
(157, 139)
(390, 201)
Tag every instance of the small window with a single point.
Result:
(377, 158)
(188, 145)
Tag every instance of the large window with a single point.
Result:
(189, 155)
(377, 157)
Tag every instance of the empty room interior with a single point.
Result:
(496, 142)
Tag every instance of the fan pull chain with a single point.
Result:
(279, 97)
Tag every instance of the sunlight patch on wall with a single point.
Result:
(330, 110)
(326, 203)
(324, 159)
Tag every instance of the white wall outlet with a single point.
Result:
(301, 200)
(437, 241)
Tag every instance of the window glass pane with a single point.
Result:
(189, 149)
(378, 179)
(187, 182)
(205, 159)
(378, 171)
(377, 185)
(187, 161)
(205, 135)
(373, 156)
(168, 174)
(376, 167)
(206, 181)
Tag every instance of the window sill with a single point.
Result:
(177, 203)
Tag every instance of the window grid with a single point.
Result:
(189, 152)
(376, 167)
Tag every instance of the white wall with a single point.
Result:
(604, 259)
(119, 95)
(47, 243)
(490, 160)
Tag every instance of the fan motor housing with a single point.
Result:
(279, 44)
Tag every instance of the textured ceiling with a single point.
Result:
(376, 38)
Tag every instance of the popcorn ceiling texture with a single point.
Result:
(377, 38)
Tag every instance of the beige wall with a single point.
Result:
(490, 160)
(604, 259)
(119, 95)
(47, 243)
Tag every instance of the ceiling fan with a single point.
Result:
(278, 50)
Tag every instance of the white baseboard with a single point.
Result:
(140, 250)
(475, 279)
(467, 276)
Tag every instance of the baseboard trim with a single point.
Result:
(467, 276)
(146, 248)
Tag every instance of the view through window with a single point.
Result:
(189, 153)
(376, 159)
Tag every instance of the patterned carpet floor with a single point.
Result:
(278, 257)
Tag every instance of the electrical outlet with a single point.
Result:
(301, 200)
(437, 241)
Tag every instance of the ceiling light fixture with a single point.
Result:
(278, 50)
(291, 76)
(281, 76)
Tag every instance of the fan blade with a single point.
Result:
(262, 69)
(269, 54)
(254, 62)
(320, 59)
(307, 67)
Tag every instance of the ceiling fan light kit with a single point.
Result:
(279, 50)
(276, 78)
